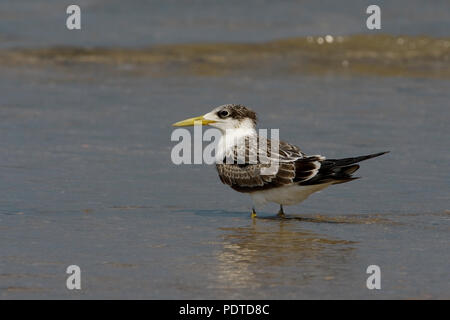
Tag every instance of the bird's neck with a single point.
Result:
(231, 138)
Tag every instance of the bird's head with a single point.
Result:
(226, 117)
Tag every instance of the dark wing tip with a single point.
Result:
(373, 155)
(339, 170)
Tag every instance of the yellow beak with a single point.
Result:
(193, 121)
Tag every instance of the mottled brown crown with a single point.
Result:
(240, 112)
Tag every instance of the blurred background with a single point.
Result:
(86, 176)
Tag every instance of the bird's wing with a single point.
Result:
(265, 166)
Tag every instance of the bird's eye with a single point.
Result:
(224, 113)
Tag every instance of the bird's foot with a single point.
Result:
(280, 213)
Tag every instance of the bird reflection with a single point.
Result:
(278, 252)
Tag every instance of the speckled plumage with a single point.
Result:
(243, 164)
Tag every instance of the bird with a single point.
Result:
(269, 170)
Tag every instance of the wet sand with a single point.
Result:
(86, 179)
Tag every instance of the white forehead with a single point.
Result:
(221, 107)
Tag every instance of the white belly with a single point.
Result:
(287, 195)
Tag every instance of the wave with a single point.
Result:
(381, 55)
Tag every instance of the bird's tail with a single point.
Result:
(339, 170)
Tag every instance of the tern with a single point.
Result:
(245, 161)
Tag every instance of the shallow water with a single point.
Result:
(86, 177)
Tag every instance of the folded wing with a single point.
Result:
(274, 168)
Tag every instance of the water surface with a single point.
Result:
(86, 176)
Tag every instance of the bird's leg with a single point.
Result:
(281, 212)
(253, 215)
